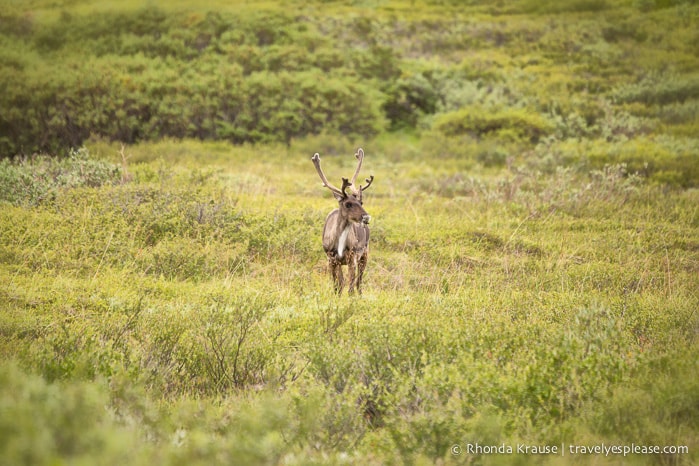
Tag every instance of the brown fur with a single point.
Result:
(356, 251)
(351, 219)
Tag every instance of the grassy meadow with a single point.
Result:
(534, 257)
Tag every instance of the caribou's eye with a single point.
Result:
(348, 205)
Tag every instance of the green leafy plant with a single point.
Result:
(37, 180)
(513, 124)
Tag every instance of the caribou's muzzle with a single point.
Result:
(366, 218)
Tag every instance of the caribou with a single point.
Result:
(346, 234)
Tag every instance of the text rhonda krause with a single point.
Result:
(563, 449)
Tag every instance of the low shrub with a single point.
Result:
(664, 160)
(32, 181)
(45, 423)
(513, 124)
(225, 347)
(607, 122)
(213, 76)
(652, 409)
(562, 6)
(409, 99)
(132, 99)
(660, 88)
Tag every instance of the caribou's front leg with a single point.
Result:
(361, 265)
(336, 272)
(351, 269)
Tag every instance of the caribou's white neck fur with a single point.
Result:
(342, 242)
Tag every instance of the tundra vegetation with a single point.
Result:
(534, 259)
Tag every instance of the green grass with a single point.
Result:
(534, 258)
(193, 303)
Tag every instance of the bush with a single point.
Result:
(663, 160)
(660, 89)
(50, 423)
(610, 123)
(561, 6)
(513, 124)
(224, 347)
(37, 180)
(649, 5)
(135, 99)
(409, 99)
(651, 410)
(261, 78)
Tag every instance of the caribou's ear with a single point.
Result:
(339, 196)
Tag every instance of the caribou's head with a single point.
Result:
(350, 205)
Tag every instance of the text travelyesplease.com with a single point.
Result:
(567, 449)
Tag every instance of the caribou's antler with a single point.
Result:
(345, 184)
(357, 190)
(360, 157)
(326, 183)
